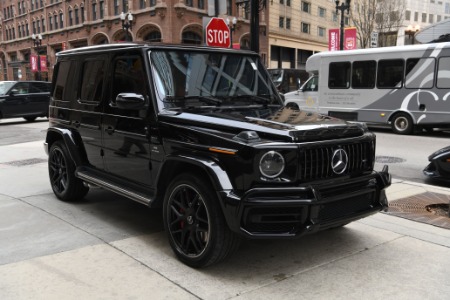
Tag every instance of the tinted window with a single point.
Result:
(443, 80)
(339, 75)
(39, 87)
(419, 73)
(92, 80)
(21, 88)
(390, 73)
(363, 74)
(62, 73)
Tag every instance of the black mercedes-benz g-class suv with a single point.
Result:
(203, 133)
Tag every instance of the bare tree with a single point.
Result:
(383, 16)
(389, 18)
(363, 18)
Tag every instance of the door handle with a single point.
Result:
(109, 130)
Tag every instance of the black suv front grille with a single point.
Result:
(315, 163)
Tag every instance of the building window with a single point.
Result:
(190, 3)
(152, 3)
(334, 17)
(55, 18)
(416, 16)
(154, 36)
(322, 12)
(116, 7)
(281, 1)
(61, 20)
(447, 8)
(431, 18)
(201, 4)
(43, 24)
(34, 26)
(70, 18)
(306, 7)
(94, 11)
(408, 15)
(77, 18)
(424, 17)
(281, 22)
(288, 2)
(50, 22)
(82, 14)
(102, 9)
(288, 23)
(305, 27)
(38, 25)
(438, 18)
(321, 31)
(189, 37)
(142, 4)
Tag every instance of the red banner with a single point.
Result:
(43, 63)
(333, 39)
(350, 41)
(34, 62)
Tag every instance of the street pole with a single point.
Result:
(254, 25)
(342, 7)
(37, 41)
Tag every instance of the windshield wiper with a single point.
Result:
(204, 99)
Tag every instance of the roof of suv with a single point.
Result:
(117, 46)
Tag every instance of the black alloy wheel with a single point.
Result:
(197, 231)
(61, 171)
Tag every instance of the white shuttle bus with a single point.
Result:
(405, 86)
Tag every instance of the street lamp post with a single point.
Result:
(127, 23)
(232, 25)
(342, 7)
(411, 32)
(37, 42)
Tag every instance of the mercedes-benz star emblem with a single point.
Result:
(339, 161)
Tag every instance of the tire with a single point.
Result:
(30, 119)
(194, 223)
(61, 170)
(402, 124)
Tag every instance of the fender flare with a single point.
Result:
(73, 144)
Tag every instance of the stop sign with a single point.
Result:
(217, 33)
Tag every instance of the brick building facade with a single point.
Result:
(75, 23)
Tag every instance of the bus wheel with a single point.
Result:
(402, 124)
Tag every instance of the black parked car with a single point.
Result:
(24, 99)
(439, 166)
(203, 133)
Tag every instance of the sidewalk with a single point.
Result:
(110, 248)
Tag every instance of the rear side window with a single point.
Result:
(92, 80)
(339, 75)
(443, 80)
(390, 73)
(363, 75)
(419, 73)
(61, 75)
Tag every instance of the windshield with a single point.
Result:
(5, 86)
(194, 79)
(276, 74)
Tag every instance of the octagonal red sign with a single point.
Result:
(217, 33)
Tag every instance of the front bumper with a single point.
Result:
(295, 211)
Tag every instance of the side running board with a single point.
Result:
(137, 193)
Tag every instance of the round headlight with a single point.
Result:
(271, 164)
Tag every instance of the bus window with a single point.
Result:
(419, 73)
(339, 75)
(443, 80)
(363, 74)
(390, 73)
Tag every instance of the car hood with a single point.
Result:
(285, 124)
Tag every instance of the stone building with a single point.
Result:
(67, 24)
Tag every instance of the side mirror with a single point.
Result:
(299, 83)
(13, 92)
(130, 101)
